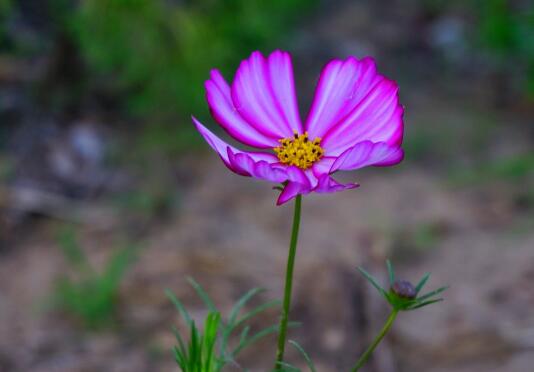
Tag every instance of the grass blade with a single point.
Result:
(390, 272)
(373, 281)
(181, 309)
(203, 295)
(425, 303)
(422, 283)
(432, 294)
(258, 336)
(307, 358)
(242, 302)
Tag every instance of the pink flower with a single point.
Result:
(355, 121)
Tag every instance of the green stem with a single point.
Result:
(282, 333)
(365, 356)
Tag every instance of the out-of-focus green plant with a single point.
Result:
(503, 28)
(157, 53)
(210, 350)
(5, 8)
(90, 296)
(508, 32)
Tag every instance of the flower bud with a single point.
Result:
(404, 289)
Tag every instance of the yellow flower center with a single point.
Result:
(299, 150)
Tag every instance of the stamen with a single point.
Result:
(299, 150)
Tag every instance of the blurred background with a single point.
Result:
(108, 196)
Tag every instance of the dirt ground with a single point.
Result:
(230, 236)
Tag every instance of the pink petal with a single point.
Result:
(327, 184)
(377, 118)
(298, 183)
(224, 112)
(245, 165)
(264, 95)
(368, 153)
(291, 190)
(342, 85)
(323, 166)
(222, 148)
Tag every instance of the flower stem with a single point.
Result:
(365, 356)
(282, 333)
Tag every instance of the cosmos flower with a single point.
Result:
(355, 121)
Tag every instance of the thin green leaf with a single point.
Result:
(390, 272)
(210, 337)
(425, 303)
(309, 362)
(181, 343)
(242, 302)
(257, 310)
(258, 336)
(432, 294)
(286, 367)
(244, 334)
(373, 281)
(181, 309)
(422, 283)
(203, 295)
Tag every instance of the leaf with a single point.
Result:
(242, 302)
(257, 310)
(181, 343)
(432, 294)
(422, 283)
(309, 362)
(373, 281)
(258, 336)
(390, 272)
(203, 295)
(181, 309)
(286, 367)
(425, 303)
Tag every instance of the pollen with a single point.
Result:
(299, 150)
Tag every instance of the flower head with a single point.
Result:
(355, 121)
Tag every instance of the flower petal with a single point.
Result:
(245, 165)
(328, 184)
(298, 183)
(368, 153)
(291, 190)
(223, 111)
(264, 95)
(222, 148)
(377, 118)
(323, 166)
(341, 86)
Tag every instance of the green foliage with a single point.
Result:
(5, 9)
(158, 53)
(518, 168)
(402, 303)
(212, 349)
(91, 296)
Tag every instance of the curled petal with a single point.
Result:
(323, 166)
(291, 190)
(222, 148)
(245, 165)
(328, 184)
(298, 183)
(368, 153)
(264, 95)
(223, 111)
